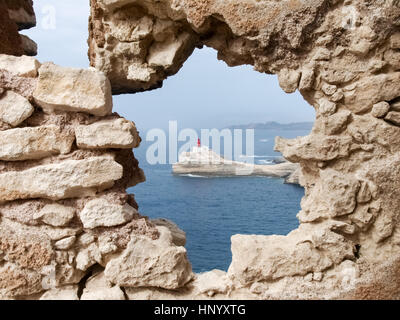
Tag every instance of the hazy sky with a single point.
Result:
(206, 93)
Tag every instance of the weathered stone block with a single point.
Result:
(70, 89)
(14, 108)
(67, 179)
(151, 263)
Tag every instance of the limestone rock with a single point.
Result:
(21, 12)
(212, 282)
(14, 108)
(65, 244)
(23, 66)
(16, 281)
(329, 89)
(178, 235)
(371, 90)
(395, 41)
(294, 177)
(70, 89)
(326, 107)
(289, 80)
(393, 117)
(263, 258)
(55, 215)
(28, 45)
(88, 257)
(98, 288)
(151, 263)
(67, 179)
(101, 213)
(34, 142)
(315, 148)
(117, 133)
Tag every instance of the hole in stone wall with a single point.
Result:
(206, 93)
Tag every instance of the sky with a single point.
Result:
(205, 93)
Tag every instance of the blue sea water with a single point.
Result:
(212, 209)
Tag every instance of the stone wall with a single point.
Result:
(68, 229)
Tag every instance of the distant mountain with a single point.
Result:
(273, 125)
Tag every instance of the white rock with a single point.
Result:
(67, 179)
(163, 54)
(326, 107)
(212, 282)
(289, 80)
(85, 239)
(380, 110)
(70, 89)
(115, 133)
(34, 142)
(139, 72)
(23, 66)
(98, 288)
(101, 213)
(14, 108)
(55, 215)
(151, 263)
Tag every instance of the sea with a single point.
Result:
(212, 209)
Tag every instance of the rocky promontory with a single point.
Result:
(203, 161)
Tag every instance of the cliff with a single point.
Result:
(206, 162)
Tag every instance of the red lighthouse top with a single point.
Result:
(198, 142)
